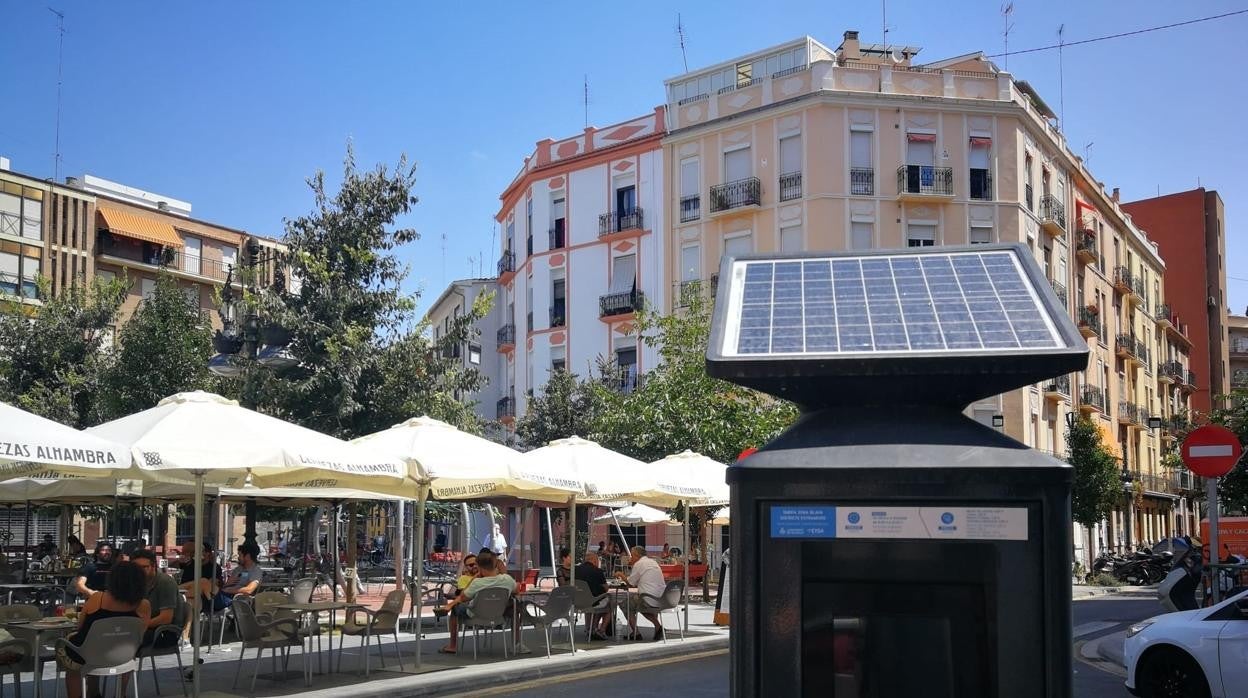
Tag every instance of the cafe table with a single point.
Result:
(317, 607)
(36, 631)
(10, 588)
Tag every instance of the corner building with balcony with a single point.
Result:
(580, 255)
(801, 147)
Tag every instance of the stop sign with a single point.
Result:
(1211, 451)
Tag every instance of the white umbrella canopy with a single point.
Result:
(189, 435)
(602, 474)
(635, 514)
(687, 477)
(301, 496)
(30, 444)
(49, 487)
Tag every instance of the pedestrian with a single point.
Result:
(496, 542)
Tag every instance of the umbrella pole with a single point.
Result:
(618, 528)
(26, 556)
(195, 595)
(685, 550)
(550, 538)
(572, 540)
(333, 551)
(397, 544)
(420, 568)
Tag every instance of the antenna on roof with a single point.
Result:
(443, 259)
(1007, 9)
(60, 54)
(884, 22)
(1087, 153)
(586, 84)
(1061, 76)
(680, 31)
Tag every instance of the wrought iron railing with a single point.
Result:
(1090, 317)
(1163, 484)
(730, 195)
(620, 303)
(981, 184)
(1173, 369)
(558, 314)
(1093, 396)
(506, 335)
(23, 227)
(1060, 290)
(506, 263)
(1053, 210)
(558, 235)
(790, 186)
(505, 407)
(1128, 411)
(617, 221)
(1123, 279)
(1163, 312)
(1059, 384)
(1087, 244)
(1127, 343)
(1239, 378)
(690, 208)
(862, 181)
(1190, 379)
(925, 179)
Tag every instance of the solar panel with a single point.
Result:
(882, 304)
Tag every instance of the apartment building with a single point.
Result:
(801, 147)
(1190, 229)
(480, 351)
(1237, 345)
(580, 256)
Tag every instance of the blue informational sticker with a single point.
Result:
(803, 521)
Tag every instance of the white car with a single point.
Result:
(1191, 654)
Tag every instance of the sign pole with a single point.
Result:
(1211, 493)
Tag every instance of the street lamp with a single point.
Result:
(236, 345)
(1154, 423)
(998, 421)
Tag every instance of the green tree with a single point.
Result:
(1097, 488)
(567, 406)
(365, 362)
(1233, 487)
(162, 349)
(50, 356)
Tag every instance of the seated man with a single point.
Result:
(93, 577)
(489, 578)
(648, 579)
(244, 579)
(209, 575)
(162, 595)
(597, 583)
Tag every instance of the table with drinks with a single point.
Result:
(36, 630)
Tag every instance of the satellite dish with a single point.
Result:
(898, 56)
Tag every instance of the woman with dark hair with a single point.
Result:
(125, 597)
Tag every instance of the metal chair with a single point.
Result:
(282, 634)
(32, 663)
(109, 649)
(265, 605)
(560, 605)
(156, 649)
(489, 612)
(12, 656)
(669, 601)
(383, 621)
(590, 605)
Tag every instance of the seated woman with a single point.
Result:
(124, 597)
(563, 573)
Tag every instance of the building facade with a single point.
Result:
(1190, 229)
(804, 148)
(581, 253)
(480, 351)
(1237, 347)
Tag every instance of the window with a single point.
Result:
(690, 263)
(528, 215)
(10, 272)
(920, 235)
(1027, 182)
(626, 361)
(626, 200)
(690, 197)
(10, 214)
(739, 245)
(558, 304)
(558, 358)
(624, 273)
(147, 288)
(861, 165)
(921, 149)
(791, 238)
(981, 233)
(229, 256)
(737, 165)
(790, 168)
(474, 354)
(745, 74)
(511, 236)
(981, 179)
(32, 219)
(191, 254)
(192, 295)
(860, 234)
(529, 306)
(558, 226)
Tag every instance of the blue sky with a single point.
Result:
(231, 106)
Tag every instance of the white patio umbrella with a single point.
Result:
(604, 475)
(635, 514)
(30, 444)
(203, 437)
(452, 464)
(49, 487)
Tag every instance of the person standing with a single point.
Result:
(497, 544)
(648, 579)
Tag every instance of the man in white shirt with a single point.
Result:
(497, 542)
(647, 577)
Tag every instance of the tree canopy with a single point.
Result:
(1097, 488)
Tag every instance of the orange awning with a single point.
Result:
(131, 225)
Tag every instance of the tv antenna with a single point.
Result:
(884, 22)
(586, 100)
(1061, 76)
(680, 31)
(60, 60)
(443, 259)
(1087, 153)
(1007, 9)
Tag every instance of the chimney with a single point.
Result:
(1115, 197)
(848, 50)
(162, 205)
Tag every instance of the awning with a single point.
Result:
(138, 227)
(980, 142)
(921, 137)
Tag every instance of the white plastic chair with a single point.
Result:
(108, 650)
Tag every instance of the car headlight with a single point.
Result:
(1138, 628)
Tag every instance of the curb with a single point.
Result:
(453, 681)
(1109, 648)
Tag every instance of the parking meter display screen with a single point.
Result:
(903, 303)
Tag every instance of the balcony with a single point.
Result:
(506, 265)
(790, 186)
(557, 236)
(1139, 294)
(1239, 347)
(690, 208)
(1239, 379)
(1028, 197)
(1060, 291)
(1166, 485)
(1058, 388)
(615, 305)
(505, 409)
(506, 338)
(862, 181)
(613, 222)
(924, 183)
(1162, 314)
(558, 314)
(623, 378)
(684, 292)
(1090, 322)
(1085, 247)
(1052, 215)
(1188, 383)
(740, 194)
(1126, 347)
(151, 256)
(1092, 399)
(1122, 280)
(981, 185)
(1177, 332)
(1170, 372)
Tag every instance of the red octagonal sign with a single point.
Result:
(1211, 451)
